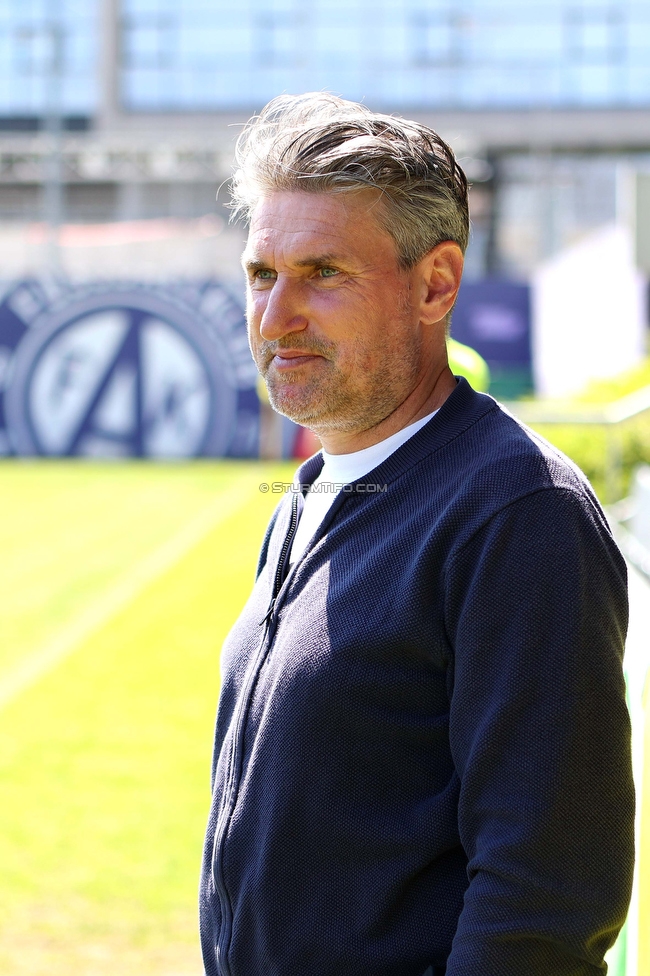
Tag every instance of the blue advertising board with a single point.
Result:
(121, 369)
(492, 315)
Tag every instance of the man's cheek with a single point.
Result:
(253, 327)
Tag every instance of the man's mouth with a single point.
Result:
(287, 358)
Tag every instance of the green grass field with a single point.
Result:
(104, 758)
(118, 583)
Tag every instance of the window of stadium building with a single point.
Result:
(48, 51)
(200, 55)
(451, 53)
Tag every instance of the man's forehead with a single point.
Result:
(314, 227)
(344, 199)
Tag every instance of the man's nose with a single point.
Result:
(284, 311)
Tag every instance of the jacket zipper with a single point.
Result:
(284, 555)
(234, 772)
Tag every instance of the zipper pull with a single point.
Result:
(269, 613)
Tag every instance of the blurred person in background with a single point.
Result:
(422, 755)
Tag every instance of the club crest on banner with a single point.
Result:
(126, 370)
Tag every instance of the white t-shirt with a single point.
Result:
(342, 469)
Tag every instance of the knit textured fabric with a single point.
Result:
(422, 754)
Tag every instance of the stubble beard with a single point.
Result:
(330, 400)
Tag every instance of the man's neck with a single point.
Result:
(411, 410)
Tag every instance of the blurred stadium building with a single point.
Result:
(543, 102)
(118, 119)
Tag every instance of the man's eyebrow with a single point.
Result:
(318, 261)
(250, 264)
(311, 261)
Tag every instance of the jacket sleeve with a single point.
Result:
(540, 737)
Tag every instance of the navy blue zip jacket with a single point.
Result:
(422, 758)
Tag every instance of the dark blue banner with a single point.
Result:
(493, 316)
(126, 370)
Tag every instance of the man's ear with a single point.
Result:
(439, 273)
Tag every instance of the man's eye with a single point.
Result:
(328, 272)
(264, 274)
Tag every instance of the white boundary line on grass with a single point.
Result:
(28, 671)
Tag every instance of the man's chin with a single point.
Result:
(319, 420)
(300, 413)
(292, 400)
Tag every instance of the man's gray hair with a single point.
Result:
(320, 143)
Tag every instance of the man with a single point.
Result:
(422, 747)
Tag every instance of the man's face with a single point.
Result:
(333, 325)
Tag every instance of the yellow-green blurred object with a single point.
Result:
(616, 958)
(465, 361)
